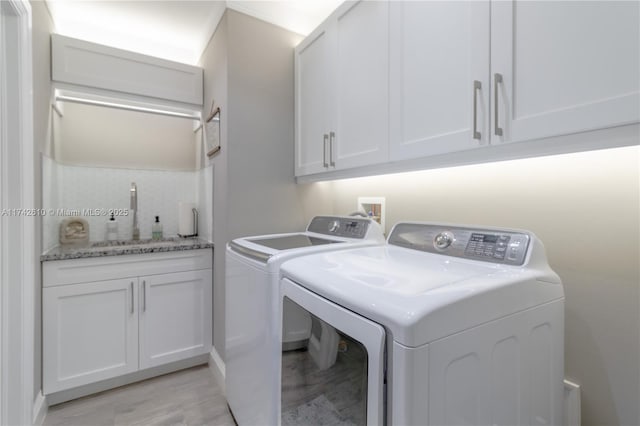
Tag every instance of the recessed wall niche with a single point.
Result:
(91, 135)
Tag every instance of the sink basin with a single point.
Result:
(118, 243)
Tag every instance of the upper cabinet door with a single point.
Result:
(360, 131)
(312, 65)
(440, 86)
(566, 67)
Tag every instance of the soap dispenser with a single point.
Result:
(156, 229)
(112, 229)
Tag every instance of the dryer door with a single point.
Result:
(339, 378)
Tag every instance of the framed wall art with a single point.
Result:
(212, 132)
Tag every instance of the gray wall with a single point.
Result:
(42, 28)
(248, 70)
(214, 63)
(585, 208)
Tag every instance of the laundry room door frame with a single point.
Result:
(17, 219)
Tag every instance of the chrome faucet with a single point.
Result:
(133, 193)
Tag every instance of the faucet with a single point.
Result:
(133, 193)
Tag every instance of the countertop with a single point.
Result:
(118, 248)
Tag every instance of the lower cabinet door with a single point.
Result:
(90, 333)
(175, 316)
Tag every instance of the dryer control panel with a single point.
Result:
(489, 245)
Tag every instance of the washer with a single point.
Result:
(444, 325)
(254, 337)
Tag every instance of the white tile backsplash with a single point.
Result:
(76, 187)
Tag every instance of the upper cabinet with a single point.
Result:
(312, 103)
(469, 74)
(563, 67)
(439, 77)
(342, 90)
(395, 85)
(82, 63)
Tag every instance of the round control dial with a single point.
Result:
(443, 240)
(334, 225)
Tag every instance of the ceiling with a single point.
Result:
(177, 30)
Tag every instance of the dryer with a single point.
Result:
(255, 332)
(444, 325)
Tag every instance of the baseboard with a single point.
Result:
(40, 409)
(67, 395)
(216, 365)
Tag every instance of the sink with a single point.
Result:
(119, 243)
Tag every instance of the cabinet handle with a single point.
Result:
(324, 150)
(131, 296)
(144, 295)
(332, 140)
(476, 86)
(497, 78)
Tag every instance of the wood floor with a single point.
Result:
(188, 397)
(332, 396)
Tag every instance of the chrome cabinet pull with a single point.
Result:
(131, 296)
(476, 86)
(497, 78)
(332, 139)
(324, 150)
(144, 295)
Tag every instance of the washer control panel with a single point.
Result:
(506, 247)
(352, 227)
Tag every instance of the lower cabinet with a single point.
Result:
(90, 333)
(98, 330)
(175, 317)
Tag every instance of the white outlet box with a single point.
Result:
(373, 207)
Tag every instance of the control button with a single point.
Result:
(513, 252)
(334, 226)
(443, 240)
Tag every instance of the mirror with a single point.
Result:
(212, 132)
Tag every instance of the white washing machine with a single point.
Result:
(254, 337)
(444, 325)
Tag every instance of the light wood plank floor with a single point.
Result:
(188, 397)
